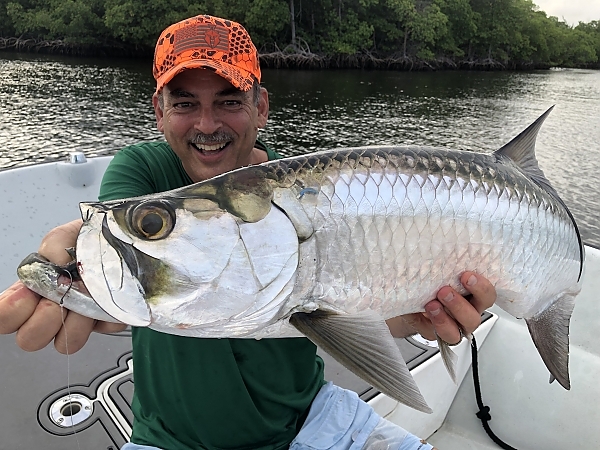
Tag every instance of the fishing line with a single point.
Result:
(62, 318)
(484, 411)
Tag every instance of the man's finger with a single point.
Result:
(109, 327)
(445, 325)
(39, 330)
(17, 304)
(421, 324)
(54, 244)
(74, 333)
(464, 313)
(484, 293)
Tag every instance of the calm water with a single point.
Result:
(50, 106)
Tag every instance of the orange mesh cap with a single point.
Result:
(220, 45)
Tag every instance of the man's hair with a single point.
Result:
(255, 95)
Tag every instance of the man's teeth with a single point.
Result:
(210, 148)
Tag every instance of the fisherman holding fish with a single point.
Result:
(193, 393)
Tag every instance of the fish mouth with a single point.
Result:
(107, 266)
(67, 271)
(48, 279)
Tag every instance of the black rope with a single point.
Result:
(484, 411)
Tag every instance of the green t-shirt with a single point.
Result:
(193, 393)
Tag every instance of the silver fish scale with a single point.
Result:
(394, 225)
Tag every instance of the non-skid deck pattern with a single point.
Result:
(109, 390)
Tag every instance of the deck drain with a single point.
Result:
(71, 410)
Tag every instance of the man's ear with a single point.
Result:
(158, 112)
(263, 108)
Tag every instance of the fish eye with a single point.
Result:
(152, 221)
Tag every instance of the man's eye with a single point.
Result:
(232, 103)
(182, 105)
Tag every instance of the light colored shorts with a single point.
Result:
(339, 420)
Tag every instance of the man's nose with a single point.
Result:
(207, 120)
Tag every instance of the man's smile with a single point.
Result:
(210, 148)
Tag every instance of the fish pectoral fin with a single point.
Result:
(363, 344)
(449, 358)
(550, 333)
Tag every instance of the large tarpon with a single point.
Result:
(333, 243)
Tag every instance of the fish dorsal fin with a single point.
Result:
(521, 150)
(363, 344)
(550, 333)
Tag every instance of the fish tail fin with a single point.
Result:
(363, 344)
(550, 333)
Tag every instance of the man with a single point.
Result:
(222, 393)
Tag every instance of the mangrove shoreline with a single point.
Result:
(288, 60)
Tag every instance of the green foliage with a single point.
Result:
(461, 28)
(141, 22)
(495, 23)
(580, 48)
(349, 34)
(6, 25)
(267, 19)
(592, 32)
(509, 31)
(73, 21)
(430, 26)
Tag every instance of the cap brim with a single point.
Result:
(243, 81)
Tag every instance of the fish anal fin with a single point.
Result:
(550, 333)
(449, 358)
(363, 344)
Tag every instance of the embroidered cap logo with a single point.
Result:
(212, 37)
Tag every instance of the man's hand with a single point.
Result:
(37, 320)
(450, 313)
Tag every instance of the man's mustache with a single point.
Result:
(219, 136)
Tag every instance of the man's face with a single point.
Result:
(210, 125)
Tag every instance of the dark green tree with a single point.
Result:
(72, 21)
(422, 32)
(268, 20)
(7, 27)
(461, 27)
(139, 23)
